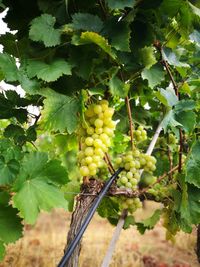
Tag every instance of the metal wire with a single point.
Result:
(88, 218)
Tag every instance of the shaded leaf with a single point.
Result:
(86, 22)
(60, 112)
(193, 165)
(8, 67)
(187, 119)
(11, 227)
(48, 72)
(8, 170)
(120, 4)
(155, 75)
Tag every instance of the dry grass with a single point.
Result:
(42, 245)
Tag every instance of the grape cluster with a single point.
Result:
(95, 137)
(133, 162)
(140, 134)
(131, 204)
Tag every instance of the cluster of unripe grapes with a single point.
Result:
(140, 134)
(131, 204)
(95, 137)
(133, 162)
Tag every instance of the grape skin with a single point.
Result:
(95, 137)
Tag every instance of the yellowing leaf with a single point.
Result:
(93, 37)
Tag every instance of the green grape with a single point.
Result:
(140, 134)
(95, 137)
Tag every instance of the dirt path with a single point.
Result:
(42, 246)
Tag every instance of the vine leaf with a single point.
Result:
(117, 87)
(169, 120)
(42, 30)
(184, 105)
(117, 31)
(93, 37)
(155, 75)
(187, 119)
(48, 72)
(60, 112)
(120, 4)
(8, 170)
(190, 204)
(34, 187)
(11, 227)
(150, 222)
(8, 67)
(11, 224)
(173, 59)
(167, 97)
(193, 165)
(82, 21)
(148, 56)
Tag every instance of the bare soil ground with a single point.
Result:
(42, 245)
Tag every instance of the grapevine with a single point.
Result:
(91, 86)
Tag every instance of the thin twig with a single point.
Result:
(159, 179)
(169, 157)
(109, 162)
(130, 120)
(108, 165)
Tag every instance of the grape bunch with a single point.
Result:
(131, 204)
(95, 136)
(140, 134)
(133, 162)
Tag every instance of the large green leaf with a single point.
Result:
(187, 119)
(34, 190)
(193, 165)
(116, 31)
(60, 112)
(169, 120)
(49, 72)
(155, 75)
(42, 30)
(86, 22)
(8, 67)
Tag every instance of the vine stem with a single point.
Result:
(130, 120)
(108, 161)
(120, 224)
(159, 47)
